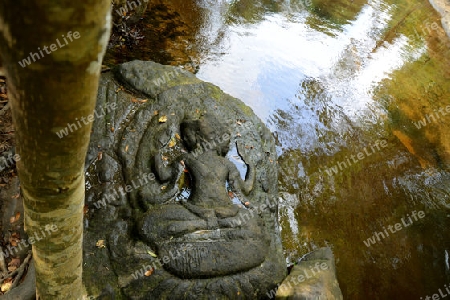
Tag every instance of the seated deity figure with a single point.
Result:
(218, 230)
(209, 170)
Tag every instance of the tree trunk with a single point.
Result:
(52, 53)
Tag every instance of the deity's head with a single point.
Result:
(205, 131)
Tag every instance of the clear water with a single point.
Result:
(334, 80)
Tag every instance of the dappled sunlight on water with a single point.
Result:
(334, 80)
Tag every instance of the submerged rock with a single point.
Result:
(313, 278)
(181, 191)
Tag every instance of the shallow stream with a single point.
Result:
(343, 86)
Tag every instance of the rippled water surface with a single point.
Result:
(342, 85)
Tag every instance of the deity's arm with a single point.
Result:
(246, 186)
(164, 172)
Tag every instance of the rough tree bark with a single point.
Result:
(63, 43)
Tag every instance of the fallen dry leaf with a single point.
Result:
(112, 129)
(12, 268)
(177, 136)
(6, 286)
(230, 194)
(15, 262)
(163, 119)
(100, 244)
(126, 148)
(152, 254)
(155, 113)
(12, 219)
(149, 272)
(134, 100)
(85, 209)
(247, 203)
(18, 215)
(100, 155)
(172, 143)
(164, 157)
(163, 187)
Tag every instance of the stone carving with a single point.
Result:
(205, 226)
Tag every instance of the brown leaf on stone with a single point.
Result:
(163, 119)
(172, 143)
(100, 244)
(12, 219)
(126, 148)
(149, 272)
(12, 268)
(17, 215)
(155, 113)
(85, 209)
(6, 286)
(15, 262)
(230, 194)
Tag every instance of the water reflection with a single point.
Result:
(330, 78)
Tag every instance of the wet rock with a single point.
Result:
(314, 277)
(176, 233)
(27, 288)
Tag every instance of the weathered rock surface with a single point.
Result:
(181, 190)
(443, 8)
(313, 278)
